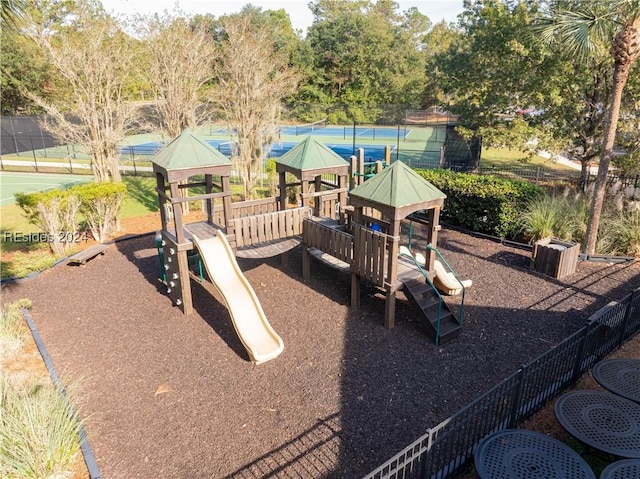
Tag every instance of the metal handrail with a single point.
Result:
(440, 300)
(464, 289)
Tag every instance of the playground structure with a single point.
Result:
(340, 218)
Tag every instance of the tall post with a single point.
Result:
(317, 200)
(360, 166)
(209, 202)
(390, 302)
(282, 182)
(353, 172)
(177, 212)
(433, 216)
(355, 278)
(161, 200)
(226, 204)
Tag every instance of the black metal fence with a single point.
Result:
(445, 449)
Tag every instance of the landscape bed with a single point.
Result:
(173, 396)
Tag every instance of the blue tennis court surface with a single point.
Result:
(344, 132)
(371, 152)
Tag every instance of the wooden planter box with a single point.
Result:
(555, 257)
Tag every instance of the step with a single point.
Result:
(417, 287)
(428, 301)
(449, 328)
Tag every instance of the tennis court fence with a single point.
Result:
(446, 449)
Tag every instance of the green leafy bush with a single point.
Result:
(55, 212)
(483, 203)
(100, 205)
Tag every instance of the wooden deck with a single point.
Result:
(201, 229)
(268, 248)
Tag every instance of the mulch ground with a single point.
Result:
(171, 396)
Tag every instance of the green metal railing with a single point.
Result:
(464, 289)
(440, 300)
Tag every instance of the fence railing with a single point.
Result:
(444, 449)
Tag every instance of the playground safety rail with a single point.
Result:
(464, 289)
(445, 449)
(440, 300)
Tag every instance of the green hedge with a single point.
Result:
(483, 203)
(57, 212)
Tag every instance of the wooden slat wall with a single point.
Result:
(372, 247)
(271, 226)
(330, 240)
(247, 208)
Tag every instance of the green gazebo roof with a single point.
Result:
(311, 155)
(398, 186)
(187, 151)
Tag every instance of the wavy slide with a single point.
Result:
(251, 325)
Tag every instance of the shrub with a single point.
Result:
(38, 432)
(622, 234)
(55, 212)
(562, 217)
(12, 330)
(100, 206)
(38, 427)
(483, 203)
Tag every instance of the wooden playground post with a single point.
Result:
(317, 201)
(355, 277)
(360, 166)
(433, 216)
(390, 302)
(282, 181)
(209, 201)
(387, 154)
(353, 172)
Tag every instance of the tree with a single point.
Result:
(512, 89)
(93, 59)
(584, 28)
(179, 59)
(11, 11)
(367, 54)
(253, 78)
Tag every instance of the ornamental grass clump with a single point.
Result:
(563, 217)
(12, 330)
(39, 429)
(38, 432)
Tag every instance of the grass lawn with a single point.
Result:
(504, 157)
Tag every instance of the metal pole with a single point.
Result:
(354, 137)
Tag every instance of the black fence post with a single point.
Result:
(515, 408)
(577, 367)
(627, 317)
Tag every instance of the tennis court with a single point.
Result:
(371, 152)
(12, 183)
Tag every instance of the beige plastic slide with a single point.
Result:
(255, 332)
(446, 281)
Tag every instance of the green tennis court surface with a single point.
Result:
(11, 183)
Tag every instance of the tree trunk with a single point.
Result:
(620, 75)
(584, 175)
(625, 50)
